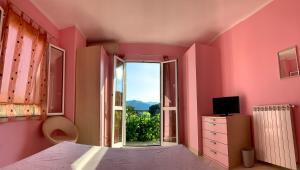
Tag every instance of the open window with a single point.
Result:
(56, 75)
(169, 103)
(119, 104)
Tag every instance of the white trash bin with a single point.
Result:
(248, 157)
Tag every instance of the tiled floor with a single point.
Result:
(258, 166)
(211, 165)
(261, 166)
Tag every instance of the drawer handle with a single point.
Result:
(212, 124)
(213, 133)
(214, 152)
(213, 119)
(213, 142)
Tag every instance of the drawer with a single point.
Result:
(214, 119)
(219, 157)
(216, 127)
(219, 147)
(215, 136)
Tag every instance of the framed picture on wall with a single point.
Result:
(288, 62)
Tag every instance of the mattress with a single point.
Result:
(67, 155)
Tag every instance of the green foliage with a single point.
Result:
(154, 109)
(130, 109)
(142, 127)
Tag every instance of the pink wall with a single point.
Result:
(189, 110)
(249, 58)
(154, 53)
(22, 138)
(200, 82)
(208, 77)
(208, 82)
(70, 40)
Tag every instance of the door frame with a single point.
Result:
(168, 108)
(121, 144)
(123, 107)
(160, 93)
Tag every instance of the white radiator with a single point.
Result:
(274, 135)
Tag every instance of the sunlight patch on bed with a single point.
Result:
(90, 159)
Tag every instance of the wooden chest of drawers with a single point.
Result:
(225, 137)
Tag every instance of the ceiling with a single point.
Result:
(176, 22)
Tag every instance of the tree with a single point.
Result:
(142, 127)
(154, 109)
(130, 109)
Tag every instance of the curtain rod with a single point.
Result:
(32, 20)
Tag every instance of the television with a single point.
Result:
(226, 105)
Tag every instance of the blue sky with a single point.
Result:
(143, 82)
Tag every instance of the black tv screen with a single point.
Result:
(226, 105)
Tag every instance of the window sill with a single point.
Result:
(20, 118)
(16, 112)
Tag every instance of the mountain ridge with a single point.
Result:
(140, 105)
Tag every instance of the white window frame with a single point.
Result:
(63, 87)
(168, 108)
(123, 107)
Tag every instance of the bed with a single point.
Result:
(67, 155)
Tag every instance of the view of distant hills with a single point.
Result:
(140, 105)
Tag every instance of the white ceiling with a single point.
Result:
(178, 22)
